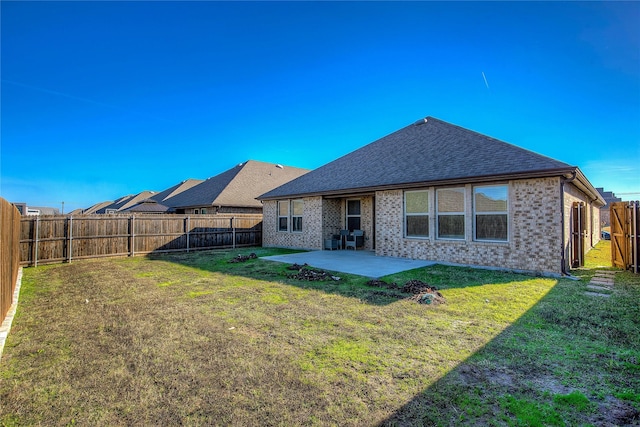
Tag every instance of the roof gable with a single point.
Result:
(428, 151)
(125, 202)
(238, 186)
(170, 192)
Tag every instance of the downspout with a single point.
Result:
(564, 180)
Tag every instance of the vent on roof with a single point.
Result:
(421, 122)
(280, 166)
(239, 164)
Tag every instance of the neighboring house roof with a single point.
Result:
(166, 195)
(608, 196)
(238, 186)
(125, 202)
(93, 209)
(428, 152)
(44, 210)
(148, 206)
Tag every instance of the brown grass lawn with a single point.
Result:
(192, 339)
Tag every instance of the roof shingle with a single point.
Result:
(238, 186)
(429, 151)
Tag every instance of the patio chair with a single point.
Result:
(343, 237)
(334, 242)
(355, 240)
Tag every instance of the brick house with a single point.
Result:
(234, 190)
(436, 191)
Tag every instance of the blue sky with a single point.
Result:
(104, 99)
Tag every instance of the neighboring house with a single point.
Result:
(605, 213)
(436, 191)
(95, 208)
(169, 193)
(147, 206)
(235, 190)
(124, 203)
(35, 210)
(161, 202)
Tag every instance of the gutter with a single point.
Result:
(341, 192)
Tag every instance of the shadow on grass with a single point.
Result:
(348, 285)
(571, 359)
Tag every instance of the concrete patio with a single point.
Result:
(362, 263)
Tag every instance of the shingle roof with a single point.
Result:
(166, 195)
(147, 205)
(429, 151)
(93, 209)
(126, 202)
(238, 186)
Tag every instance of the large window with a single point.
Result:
(353, 215)
(450, 213)
(283, 216)
(490, 205)
(416, 213)
(290, 212)
(296, 215)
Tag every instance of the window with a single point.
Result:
(297, 207)
(416, 213)
(196, 211)
(283, 216)
(353, 215)
(450, 213)
(491, 213)
(203, 211)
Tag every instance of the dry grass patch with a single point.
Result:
(193, 339)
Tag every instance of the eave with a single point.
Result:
(566, 172)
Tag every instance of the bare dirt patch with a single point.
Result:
(422, 293)
(304, 272)
(243, 258)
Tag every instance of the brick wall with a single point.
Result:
(534, 233)
(592, 220)
(332, 217)
(534, 230)
(312, 233)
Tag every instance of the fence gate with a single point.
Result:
(577, 234)
(625, 235)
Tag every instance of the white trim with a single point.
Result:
(406, 214)
(475, 214)
(462, 213)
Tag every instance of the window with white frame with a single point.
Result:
(283, 216)
(353, 215)
(416, 213)
(450, 213)
(491, 213)
(297, 207)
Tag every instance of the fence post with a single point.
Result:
(70, 235)
(634, 233)
(187, 230)
(36, 232)
(233, 232)
(132, 232)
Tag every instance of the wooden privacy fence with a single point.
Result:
(9, 254)
(61, 238)
(625, 235)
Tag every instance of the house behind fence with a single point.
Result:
(64, 238)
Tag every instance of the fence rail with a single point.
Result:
(48, 239)
(9, 254)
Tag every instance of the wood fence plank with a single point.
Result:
(58, 238)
